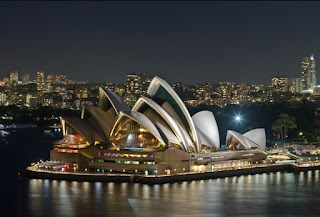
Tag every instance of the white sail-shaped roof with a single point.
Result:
(243, 140)
(258, 136)
(162, 92)
(107, 98)
(206, 124)
(203, 139)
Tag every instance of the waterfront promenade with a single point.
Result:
(34, 172)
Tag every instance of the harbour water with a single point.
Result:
(273, 194)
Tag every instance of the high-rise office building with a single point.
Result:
(308, 73)
(48, 84)
(295, 85)
(224, 92)
(14, 76)
(40, 80)
(133, 84)
(61, 79)
(50, 79)
(25, 79)
(280, 84)
(137, 83)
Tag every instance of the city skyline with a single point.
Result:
(176, 40)
(32, 77)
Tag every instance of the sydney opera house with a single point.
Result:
(156, 136)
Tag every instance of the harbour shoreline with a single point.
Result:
(161, 179)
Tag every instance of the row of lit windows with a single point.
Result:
(124, 161)
(126, 155)
(134, 162)
(65, 150)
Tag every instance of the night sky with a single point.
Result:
(192, 42)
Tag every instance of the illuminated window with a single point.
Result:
(129, 133)
(234, 144)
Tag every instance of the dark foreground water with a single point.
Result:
(274, 194)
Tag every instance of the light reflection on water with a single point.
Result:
(274, 194)
(3, 136)
(4, 133)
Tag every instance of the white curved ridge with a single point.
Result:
(246, 141)
(152, 91)
(182, 135)
(206, 124)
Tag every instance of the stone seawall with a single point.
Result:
(157, 179)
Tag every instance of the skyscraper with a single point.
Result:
(61, 79)
(224, 91)
(308, 72)
(137, 83)
(40, 80)
(14, 76)
(25, 79)
(295, 85)
(48, 84)
(280, 84)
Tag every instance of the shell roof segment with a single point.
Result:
(257, 135)
(107, 98)
(206, 124)
(162, 92)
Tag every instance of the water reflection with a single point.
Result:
(274, 194)
(4, 133)
(4, 136)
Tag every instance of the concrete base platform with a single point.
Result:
(158, 179)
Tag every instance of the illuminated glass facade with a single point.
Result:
(130, 134)
(234, 144)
